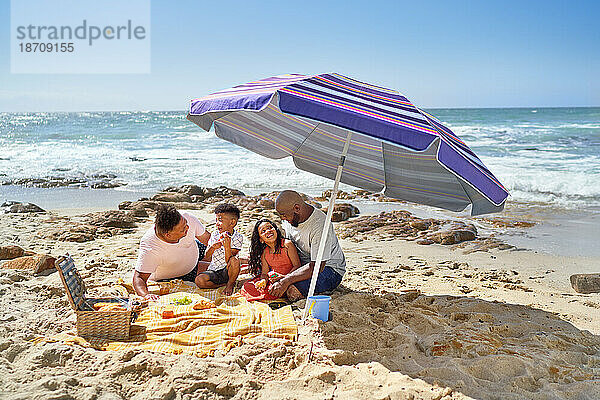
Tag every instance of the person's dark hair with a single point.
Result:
(257, 247)
(228, 208)
(167, 217)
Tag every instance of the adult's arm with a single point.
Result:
(204, 237)
(146, 264)
(140, 285)
(199, 230)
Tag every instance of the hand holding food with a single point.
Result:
(261, 284)
(226, 239)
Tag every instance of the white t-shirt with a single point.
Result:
(307, 237)
(217, 261)
(169, 260)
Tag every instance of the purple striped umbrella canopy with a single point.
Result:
(395, 147)
(360, 134)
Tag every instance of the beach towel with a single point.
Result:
(220, 323)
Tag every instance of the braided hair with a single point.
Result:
(257, 247)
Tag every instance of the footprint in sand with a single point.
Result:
(374, 259)
(465, 289)
(591, 304)
(453, 265)
(419, 262)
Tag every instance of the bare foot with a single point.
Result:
(293, 294)
(228, 291)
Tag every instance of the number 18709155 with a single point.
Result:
(35, 47)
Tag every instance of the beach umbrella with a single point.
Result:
(360, 134)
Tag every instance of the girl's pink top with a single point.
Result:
(279, 262)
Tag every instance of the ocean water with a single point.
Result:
(545, 155)
(548, 155)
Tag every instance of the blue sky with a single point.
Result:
(437, 53)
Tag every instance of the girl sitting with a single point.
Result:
(271, 257)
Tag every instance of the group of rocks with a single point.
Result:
(359, 194)
(394, 224)
(94, 181)
(197, 197)
(404, 225)
(88, 227)
(17, 207)
(14, 257)
(187, 197)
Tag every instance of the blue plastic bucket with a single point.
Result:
(319, 307)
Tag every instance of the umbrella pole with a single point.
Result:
(325, 233)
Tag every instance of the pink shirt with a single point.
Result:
(169, 260)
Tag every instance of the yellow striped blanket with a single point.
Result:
(230, 322)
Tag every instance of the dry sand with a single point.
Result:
(488, 325)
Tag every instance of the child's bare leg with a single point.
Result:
(233, 270)
(293, 294)
(204, 282)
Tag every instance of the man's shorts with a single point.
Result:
(327, 281)
(219, 277)
(191, 276)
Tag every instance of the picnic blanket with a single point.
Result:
(229, 321)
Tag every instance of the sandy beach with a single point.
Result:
(409, 321)
(462, 143)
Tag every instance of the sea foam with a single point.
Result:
(551, 156)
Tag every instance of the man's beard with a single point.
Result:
(295, 220)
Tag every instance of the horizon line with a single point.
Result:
(181, 110)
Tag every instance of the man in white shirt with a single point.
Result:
(170, 249)
(303, 224)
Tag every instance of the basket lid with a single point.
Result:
(72, 281)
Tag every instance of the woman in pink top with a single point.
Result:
(271, 257)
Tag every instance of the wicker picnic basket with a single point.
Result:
(112, 325)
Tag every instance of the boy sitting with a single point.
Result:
(220, 260)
